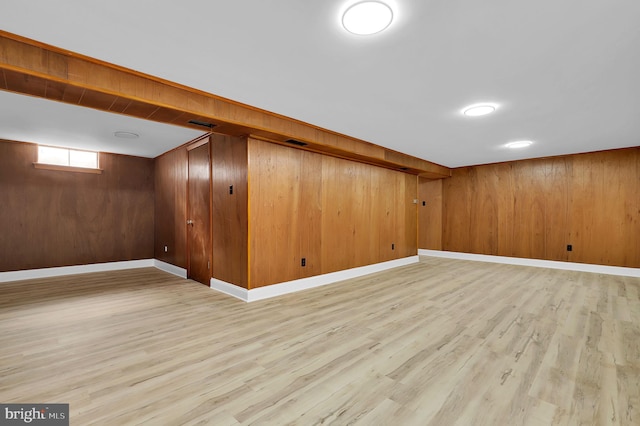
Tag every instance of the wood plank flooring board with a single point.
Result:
(519, 366)
(428, 385)
(519, 370)
(587, 405)
(352, 403)
(280, 389)
(439, 342)
(342, 389)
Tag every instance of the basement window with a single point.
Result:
(74, 160)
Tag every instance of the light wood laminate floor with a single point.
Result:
(442, 342)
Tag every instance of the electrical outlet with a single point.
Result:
(569, 247)
(231, 189)
(424, 203)
(393, 246)
(303, 262)
(166, 249)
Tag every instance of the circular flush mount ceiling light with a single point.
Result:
(367, 17)
(126, 135)
(477, 110)
(519, 144)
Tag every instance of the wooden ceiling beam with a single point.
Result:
(33, 68)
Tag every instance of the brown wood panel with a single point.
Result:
(380, 235)
(484, 220)
(25, 83)
(340, 211)
(402, 159)
(72, 94)
(55, 90)
(337, 214)
(529, 211)
(33, 64)
(97, 100)
(605, 208)
(119, 105)
(399, 197)
(456, 208)
(166, 115)
(361, 198)
(430, 214)
(534, 208)
(199, 213)
(230, 211)
(504, 197)
(557, 215)
(310, 214)
(60, 218)
(545, 225)
(284, 219)
(171, 207)
(385, 221)
(58, 91)
(142, 110)
(409, 244)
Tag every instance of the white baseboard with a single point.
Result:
(172, 269)
(552, 264)
(280, 289)
(30, 274)
(230, 289)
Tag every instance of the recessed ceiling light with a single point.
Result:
(519, 144)
(126, 135)
(367, 17)
(477, 110)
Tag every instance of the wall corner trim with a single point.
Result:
(287, 287)
(230, 289)
(538, 263)
(172, 269)
(29, 274)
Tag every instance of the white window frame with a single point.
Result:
(68, 167)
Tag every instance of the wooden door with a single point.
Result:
(198, 213)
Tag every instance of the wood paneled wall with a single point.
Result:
(229, 210)
(335, 213)
(535, 208)
(171, 207)
(430, 214)
(60, 218)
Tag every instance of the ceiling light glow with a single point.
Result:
(367, 17)
(519, 144)
(477, 110)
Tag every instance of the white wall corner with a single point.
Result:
(538, 263)
(172, 269)
(230, 289)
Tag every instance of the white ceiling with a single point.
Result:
(36, 120)
(565, 73)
